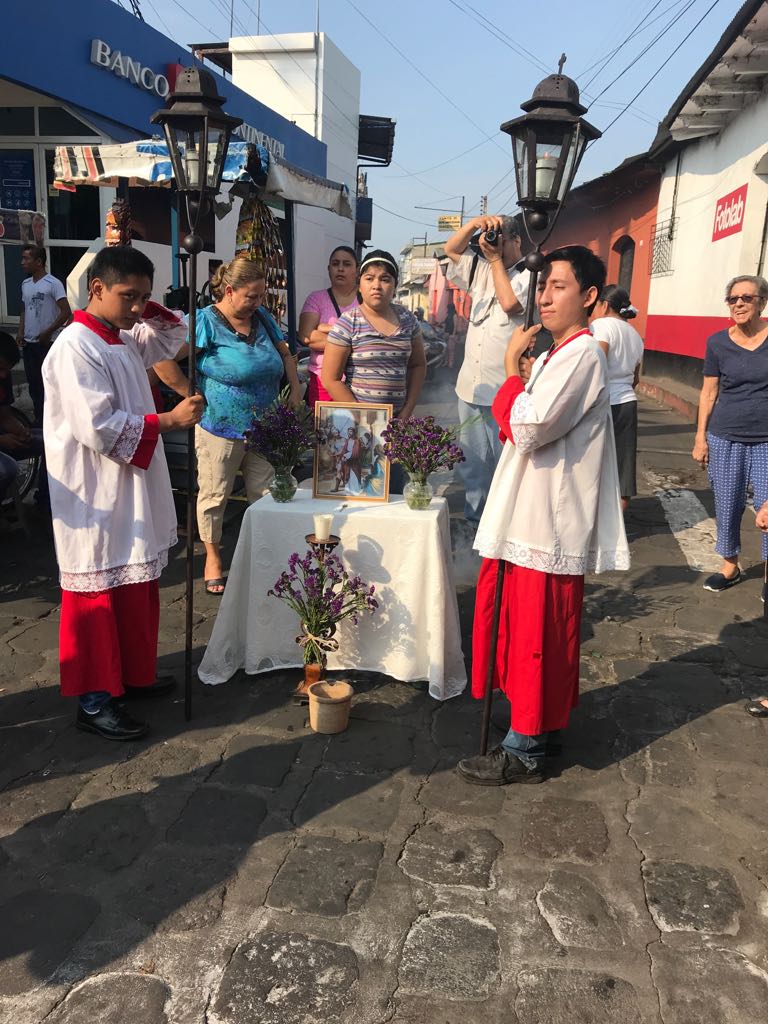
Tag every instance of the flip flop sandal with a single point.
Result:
(756, 709)
(220, 582)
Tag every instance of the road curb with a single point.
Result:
(689, 410)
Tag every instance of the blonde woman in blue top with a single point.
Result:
(241, 360)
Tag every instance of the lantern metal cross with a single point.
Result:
(197, 132)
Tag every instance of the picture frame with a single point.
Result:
(349, 460)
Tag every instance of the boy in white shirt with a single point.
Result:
(552, 515)
(114, 519)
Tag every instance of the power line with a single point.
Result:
(662, 66)
(656, 39)
(419, 72)
(481, 20)
(603, 62)
(450, 160)
(401, 216)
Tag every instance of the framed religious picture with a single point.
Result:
(349, 454)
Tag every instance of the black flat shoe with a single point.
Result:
(717, 582)
(112, 723)
(497, 768)
(756, 709)
(161, 687)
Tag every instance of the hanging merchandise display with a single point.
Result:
(118, 223)
(258, 238)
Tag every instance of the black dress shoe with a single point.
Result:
(161, 687)
(112, 723)
(756, 708)
(497, 768)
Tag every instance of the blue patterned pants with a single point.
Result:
(732, 467)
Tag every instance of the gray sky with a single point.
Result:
(450, 71)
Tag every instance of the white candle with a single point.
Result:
(323, 526)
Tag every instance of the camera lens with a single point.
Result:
(491, 236)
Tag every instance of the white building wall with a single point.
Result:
(711, 168)
(307, 79)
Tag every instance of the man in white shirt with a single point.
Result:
(498, 287)
(44, 312)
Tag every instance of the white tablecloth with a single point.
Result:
(406, 555)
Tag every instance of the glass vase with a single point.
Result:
(283, 485)
(418, 492)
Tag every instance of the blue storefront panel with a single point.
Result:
(96, 56)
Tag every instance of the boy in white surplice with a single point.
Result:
(552, 515)
(111, 501)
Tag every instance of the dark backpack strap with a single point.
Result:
(332, 297)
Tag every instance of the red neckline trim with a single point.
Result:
(573, 337)
(111, 336)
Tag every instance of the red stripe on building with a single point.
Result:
(682, 335)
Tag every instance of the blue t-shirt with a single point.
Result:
(741, 409)
(237, 378)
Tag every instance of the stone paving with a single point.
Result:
(241, 870)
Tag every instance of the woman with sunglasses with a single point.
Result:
(732, 432)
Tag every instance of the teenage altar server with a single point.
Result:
(113, 513)
(553, 514)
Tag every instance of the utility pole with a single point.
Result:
(483, 205)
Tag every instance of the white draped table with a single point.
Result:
(406, 555)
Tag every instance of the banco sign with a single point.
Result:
(729, 214)
(104, 56)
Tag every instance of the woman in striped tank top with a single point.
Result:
(375, 351)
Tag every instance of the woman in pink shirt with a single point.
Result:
(322, 309)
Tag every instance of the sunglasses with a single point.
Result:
(733, 299)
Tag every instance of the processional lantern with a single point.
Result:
(197, 133)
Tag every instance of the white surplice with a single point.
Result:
(554, 503)
(113, 522)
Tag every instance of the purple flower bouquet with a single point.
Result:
(322, 593)
(281, 434)
(422, 447)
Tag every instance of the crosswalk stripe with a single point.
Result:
(691, 525)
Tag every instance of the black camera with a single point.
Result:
(492, 237)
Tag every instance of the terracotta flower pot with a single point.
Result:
(329, 706)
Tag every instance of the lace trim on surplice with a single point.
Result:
(128, 440)
(118, 576)
(555, 562)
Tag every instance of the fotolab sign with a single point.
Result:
(104, 56)
(729, 214)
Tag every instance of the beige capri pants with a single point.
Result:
(218, 460)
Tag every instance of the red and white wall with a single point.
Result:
(720, 220)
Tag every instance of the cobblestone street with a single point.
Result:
(241, 869)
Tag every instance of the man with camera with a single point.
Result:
(498, 287)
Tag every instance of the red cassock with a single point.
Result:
(537, 656)
(108, 639)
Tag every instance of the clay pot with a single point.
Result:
(313, 673)
(329, 706)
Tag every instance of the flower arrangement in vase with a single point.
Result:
(322, 593)
(282, 434)
(422, 447)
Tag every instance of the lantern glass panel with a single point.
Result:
(520, 158)
(217, 152)
(576, 145)
(551, 143)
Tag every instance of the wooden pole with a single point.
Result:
(530, 308)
